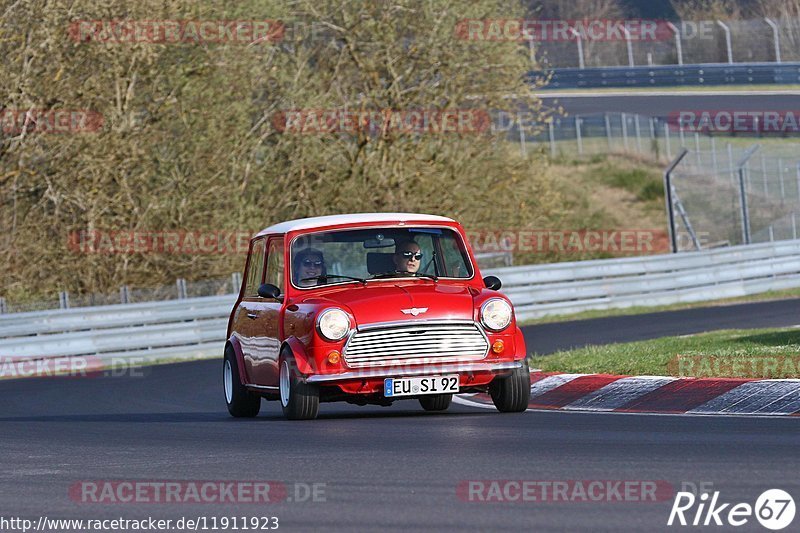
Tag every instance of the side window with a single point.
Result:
(255, 269)
(455, 255)
(275, 264)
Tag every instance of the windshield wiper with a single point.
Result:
(402, 273)
(326, 277)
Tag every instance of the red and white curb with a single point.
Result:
(659, 394)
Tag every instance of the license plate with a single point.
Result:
(394, 387)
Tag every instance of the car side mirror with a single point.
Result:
(492, 282)
(268, 290)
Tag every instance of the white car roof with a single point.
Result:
(356, 218)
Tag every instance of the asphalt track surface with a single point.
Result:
(390, 469)
(661, 104)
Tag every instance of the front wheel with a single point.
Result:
(241, 402)
(299, 401)
(511, 394)
(436, 402)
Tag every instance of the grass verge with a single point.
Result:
(758, 353)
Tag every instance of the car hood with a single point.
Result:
(386, 301)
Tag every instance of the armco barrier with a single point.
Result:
(563, 288)
(673, 75)
(196, 327)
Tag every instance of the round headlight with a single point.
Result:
(333, 324)
(496, 314)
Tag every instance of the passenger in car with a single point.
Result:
(407, 256)
(308, 263)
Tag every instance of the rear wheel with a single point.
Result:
(511, 394)
(241, 402)
(436, 402)
(299, 401)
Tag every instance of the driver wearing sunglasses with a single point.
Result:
(309, 263)
(407, 257)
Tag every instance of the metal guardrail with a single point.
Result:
(672, 75)
(196, 327)
(564, 288)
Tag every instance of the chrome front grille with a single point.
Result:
(416, 343)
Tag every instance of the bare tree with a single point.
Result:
(189, 139)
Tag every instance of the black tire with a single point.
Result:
(511, 394)
(299, 401)
(436, 402)
(241, 402)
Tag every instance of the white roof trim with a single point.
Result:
(357, 218)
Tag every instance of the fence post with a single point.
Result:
(678, 46)
(629, 45)
(764, 174)
(638, 130)
(775, 38)
(780, 176)
(727, 31)
(578, 134)
(653, 140)
(697, 149)
(579, 39)
(531, 50)
(666, 137)
(124, 294)
(63, 300)
(730, 162)
(624, 119)
(608, 129)
(798, 180)
(673, 238)
(714, 161)
(181, 288)
(743, 193)
(3, 307)
(552, 134)
(236, 280)
(794, 227)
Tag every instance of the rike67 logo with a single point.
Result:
(774, 509)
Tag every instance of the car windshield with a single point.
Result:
(347, 256)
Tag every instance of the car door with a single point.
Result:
(264, 316)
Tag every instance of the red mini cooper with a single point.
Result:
(369, 309)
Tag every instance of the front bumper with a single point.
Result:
(388, 372)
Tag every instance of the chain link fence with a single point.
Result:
(727, 190)
(738, 194)
(675, 43)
